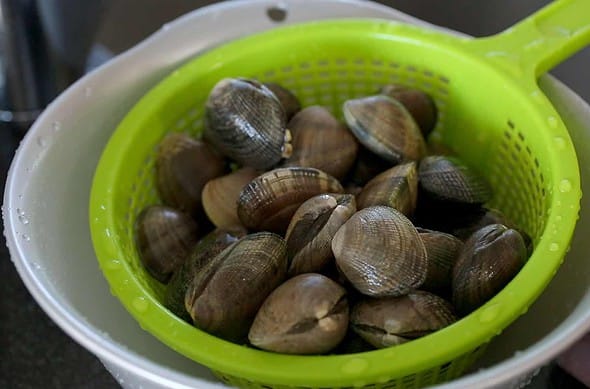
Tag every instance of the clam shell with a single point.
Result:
(246, 122)
(269, 201)
(448, 179)
(183, 167)
(394, 320)
(442, 251)
(312, 228)
(220, 197)
(490, 258)
(224, 297)
(419, 105)
(385, 127)
(165, 237)
(204, 251)
(396, 188)
(288, 100)
(379, 251)
(308, 314)
(322, 142)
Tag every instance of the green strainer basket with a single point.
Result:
(491, 113)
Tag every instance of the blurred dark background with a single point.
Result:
(34, 353)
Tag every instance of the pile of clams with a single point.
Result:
(291, 231)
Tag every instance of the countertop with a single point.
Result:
(35, 353)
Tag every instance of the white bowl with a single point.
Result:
(46, 208)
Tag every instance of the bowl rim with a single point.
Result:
(118, 356)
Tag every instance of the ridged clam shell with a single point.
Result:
(379, 251)
(385, 127)
(322, 142)
(204, 252)
(394, 320)
(246, 122)
(225, 296)
(308, 314)
(165, 237)
(269, 201)
(490, 258)
(396, 188)
(442, 251)
(183, 166)
(312, 228)
(448, 179)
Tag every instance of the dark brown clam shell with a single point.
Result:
(444, 178)
(396, 188)
(269, 201)
(165, 237)
(442, 251)
(322, 142)
(288, 100)
(385, 127)
(224, 297)
(183, 167)
(204, 251)
(308, 314)
(380, 252)
(312, 228)
(246, 122)
(419, 104)
(490, 258)
(391, 321)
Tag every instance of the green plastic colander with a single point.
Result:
(491, 112)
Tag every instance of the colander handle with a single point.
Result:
(541, 41)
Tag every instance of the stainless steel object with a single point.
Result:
(44, 45)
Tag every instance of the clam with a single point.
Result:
(183, 166)
(225, 295)
(394, 320)
(288, 100)
(322, 142)
(385, 127)
(442, 251)
(312, 228)
(246, 122)
(380, 252)
(204, 251)
(220, 197)
(165, 237)
(308, 314)
(269, 201)
(396, 188)
(490, 258)
(419, 105)
(447, 179)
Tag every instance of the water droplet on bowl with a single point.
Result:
(140, 304)
(56, 126)
(552, 121)
(553, 247)
(114, 264)
(490, 313)
(26, 237)
(565, 186)
(559, 142)
(354, 366)
(41, 141)
(558, 218)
